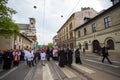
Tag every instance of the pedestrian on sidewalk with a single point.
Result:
(105, 54)
(77, 56)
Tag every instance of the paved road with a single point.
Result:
(91, 69)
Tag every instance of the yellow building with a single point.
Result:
(66, 35)
(102, 29)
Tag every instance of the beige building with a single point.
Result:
(102, 29)
(55, 41)
(18, 42)
(27, 37)
(66, 35)
(21, 42)
(29, 31)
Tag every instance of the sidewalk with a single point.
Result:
(112, 56)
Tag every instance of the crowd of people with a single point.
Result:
(10, 57)
(64, 56)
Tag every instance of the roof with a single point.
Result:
(100, 14)
(25, 37)
(23, 26)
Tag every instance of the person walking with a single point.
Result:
(105, 54)
(43, 56)
(16, 57)
(7, 60)
(77, 57)
(29, 57)
(69, 57)
(61, 57)
(48, 54)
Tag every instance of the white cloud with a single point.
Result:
(53, 11)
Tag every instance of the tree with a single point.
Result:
(7, 25)
(50, 45)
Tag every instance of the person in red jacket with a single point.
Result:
(16, 57)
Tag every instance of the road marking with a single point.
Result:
(102, 69)
(13, 69)
(116, 62)
(46, 73)
(102, 63)
(68, 73)
(83, 68)
(28, 76)
(111, 61)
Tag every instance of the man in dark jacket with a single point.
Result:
(61, 57)
(7, 57)
(69, 57)
(105, 54)
(77, 57)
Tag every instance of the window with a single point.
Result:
(70, 26)
(71, 45)
(66, 29)
(110, 43)
(85, 31)
(115, 1)
(79, 45)
(94, 27)
(67, 36)
(71, 35)
(78, 34)
(86, 46)
(107, 21)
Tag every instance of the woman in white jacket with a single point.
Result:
(43, 57)
(29, 57)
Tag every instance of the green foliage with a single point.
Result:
(7, 25)
(50, 45)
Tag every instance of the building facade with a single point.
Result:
(14, 42)
(29, 31)
(103, 29)
(22, 42)
(27, 37)
(66, 34)
(55, 41)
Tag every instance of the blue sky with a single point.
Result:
(48, 25)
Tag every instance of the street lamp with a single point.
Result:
(35, 7)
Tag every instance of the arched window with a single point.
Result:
(86, 46)
(110, 43)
